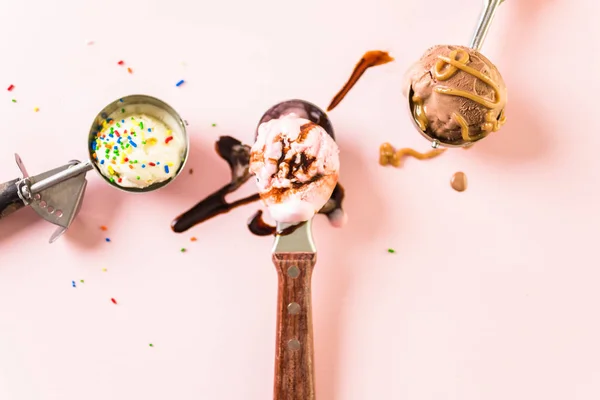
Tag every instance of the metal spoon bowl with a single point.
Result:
(301, 108)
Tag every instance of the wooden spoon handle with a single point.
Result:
(9, 198)
(294, 354)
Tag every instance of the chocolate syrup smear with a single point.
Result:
(259, 227)
(368, 60)
(237, 156)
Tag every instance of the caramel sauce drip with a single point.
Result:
(464, 127)
(389, 156)
(419, 113)
(368, 60)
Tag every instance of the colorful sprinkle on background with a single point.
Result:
(14, 100)
(36, 109)
(179, 83)
(73, 283)
(183, 250)
(121, 62)
(193, 239)
(113, 300)
(10, 88)
(151, 345)
(391, 251)
(107, 240)
(130, 70)
(214, 125)
(191, 171)
(104, 228)
(82, 281)
(104, 270)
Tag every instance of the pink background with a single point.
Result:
(492, 293)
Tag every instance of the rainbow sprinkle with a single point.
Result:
(391, 251)
(183, 250)
(167, 169)
(107, 240)
(73, 283)
(179, 83)
(10, 88)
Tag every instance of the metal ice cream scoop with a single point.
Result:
(56, 195)
(294, 256)
(417, 107)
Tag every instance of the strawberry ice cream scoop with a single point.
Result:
(296, 163)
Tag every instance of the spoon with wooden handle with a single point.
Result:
(295, 256)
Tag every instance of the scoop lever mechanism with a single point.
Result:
(55, 195)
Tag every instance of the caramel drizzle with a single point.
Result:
(389, 156)
(455, 65)
(368, 60)
(464, 127)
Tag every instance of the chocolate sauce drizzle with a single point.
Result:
(237, 156)
(368, 60)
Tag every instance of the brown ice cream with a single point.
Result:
(456, 95)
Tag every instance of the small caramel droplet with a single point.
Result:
(459, 182)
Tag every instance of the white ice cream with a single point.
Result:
(296, 164)
(141, 148)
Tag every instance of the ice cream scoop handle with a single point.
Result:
(9, 198)
(485, 21)
(294, 354)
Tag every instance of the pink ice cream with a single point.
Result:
(296, 164)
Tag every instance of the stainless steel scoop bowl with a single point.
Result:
(57, 195)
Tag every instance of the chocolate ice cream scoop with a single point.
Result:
(456, 95)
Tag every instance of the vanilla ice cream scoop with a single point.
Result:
(139, 148)
(296, 163)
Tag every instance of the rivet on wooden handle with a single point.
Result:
(294, 353)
